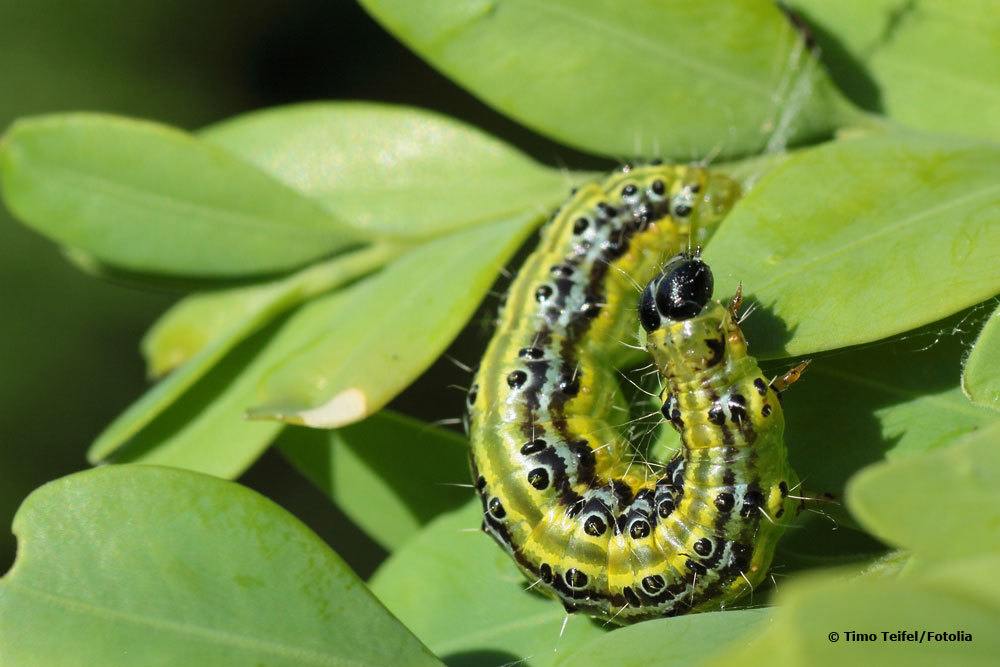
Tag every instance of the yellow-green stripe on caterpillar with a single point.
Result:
(563, 491)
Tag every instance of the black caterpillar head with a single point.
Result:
(680, 292)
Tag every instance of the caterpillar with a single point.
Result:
(586, 519)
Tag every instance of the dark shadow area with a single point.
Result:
(817, 541)
(849, 73)
(336, 51)
(483, 659)
(764, 328)
(273, 476)
(837, 423)
(423, 473)
(199, 396)
(446, 381)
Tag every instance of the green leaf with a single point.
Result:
(928, 63)
(686, 640)
(138, 565)
(858, 240)
(149, 198)
(811, 608)
(465, 599)
(973, 577)
(943, 504)
(394, 326)
(892, 400)
(206, 327)
(390, 474)
(681, 79)
(393, 170)
(826, 541)
(218, 319)
(222, 317)
(981, 374)
(205, 428)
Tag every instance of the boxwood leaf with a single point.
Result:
(206, 327)
(928, 63)
(393, 170)
(686, 640)
(395, 325)
(204, 428)
(465, 599)
(391, 474)
(814, 614)
(207, 318)
(139, 565)
(858, 240)
(961, 515)
(981, 373)
(149, 198)
(856, 407)
(622, 79)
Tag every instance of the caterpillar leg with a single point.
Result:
(808, 500)
(783, 382)
(736, 302)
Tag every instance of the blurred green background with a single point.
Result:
(69, 342)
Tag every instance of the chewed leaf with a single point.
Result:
(861, 239)
(149, 198)
(390, 474)
(392, 170)
(672, 79)
(981, 375)
(138, 565)
(394, 326)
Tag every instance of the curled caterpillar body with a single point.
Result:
(561, 488)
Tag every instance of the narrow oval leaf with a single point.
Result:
(635, 78)
(465, 599)
(136, 565)
(395, 325)
(814, 616)
(199, 320)
(209, 326)
(391, 474)
(981, 374)
(859, 240)
(149, 198)
(930, 64)
(685, 640)
(218, 318)
(205, 428)
(393, 170)
(942, 504)
(853, 408)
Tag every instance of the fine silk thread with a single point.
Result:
(587, 519)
